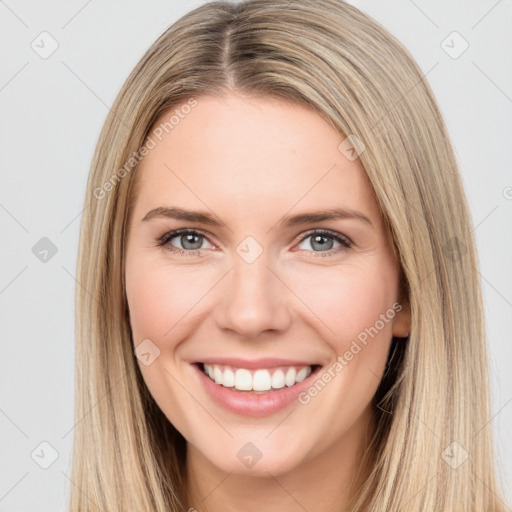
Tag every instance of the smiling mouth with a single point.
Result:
(256, 381)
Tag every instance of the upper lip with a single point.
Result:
(264, 362)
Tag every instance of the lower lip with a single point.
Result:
(250, 404)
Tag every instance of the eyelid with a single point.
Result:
(169, 235)
(327, 232)
(344, 241)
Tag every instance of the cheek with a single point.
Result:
(162, 299)
(334, 304)
(161, 303)
(342, 302)
(353, 311)
(347, 301)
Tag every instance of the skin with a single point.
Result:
(251, 161)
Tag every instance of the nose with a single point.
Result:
(253, 300)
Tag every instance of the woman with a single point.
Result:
(321, 345)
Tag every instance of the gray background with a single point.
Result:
(52, 112)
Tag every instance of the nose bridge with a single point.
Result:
(254, 298)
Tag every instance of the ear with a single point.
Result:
(402, 321)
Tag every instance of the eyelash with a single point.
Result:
(164, 240)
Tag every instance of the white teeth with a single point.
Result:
(261, 380)
(256, 380)
(228, 378)
(243, 380)
(290, 377)
(301, 374)
(278, 379)
(217, 375)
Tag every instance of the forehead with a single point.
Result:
(245, 154)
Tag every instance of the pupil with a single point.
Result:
(189, 239)
(317, 239)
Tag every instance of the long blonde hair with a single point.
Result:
(331, 57)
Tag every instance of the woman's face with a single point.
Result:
(258, 288)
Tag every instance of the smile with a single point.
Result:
(243, 379)
(257, 389)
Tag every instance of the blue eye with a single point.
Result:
(323, 240)
(192, 240)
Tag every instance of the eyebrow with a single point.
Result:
(288, 221)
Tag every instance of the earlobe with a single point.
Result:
(402, 322)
